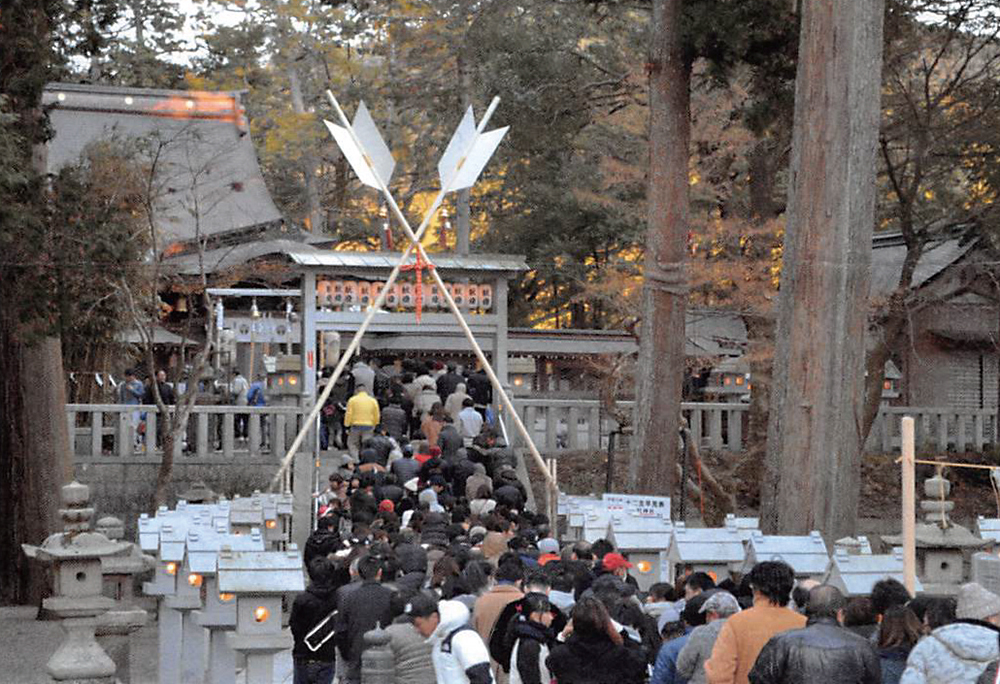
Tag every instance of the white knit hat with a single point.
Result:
(976, 602)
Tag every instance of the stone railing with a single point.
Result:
(938, 429)
(721, 427)
(551, 423)
(111, 431)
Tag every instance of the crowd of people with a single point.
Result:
(424, 531)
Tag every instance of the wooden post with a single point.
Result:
(909, 507)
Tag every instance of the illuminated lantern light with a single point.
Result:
(727, 380)
(887, 385)
(226, 598)
(350, 292)
(392, 297)
(293, 380)
(485, 297)
(194, 579)
(271, 524)
(324, 292)
(171, 568)
(644, 566)
(458, 294)
(261, 614)
(364, 294)
(739, 379)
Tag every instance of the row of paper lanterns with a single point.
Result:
(401, 295)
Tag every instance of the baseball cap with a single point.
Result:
(421, 605)
(548, 545)
(613, 561)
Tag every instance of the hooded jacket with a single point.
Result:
(596, 660)
(952, 654)
(309, 607)
(531, 649)
(458, 653)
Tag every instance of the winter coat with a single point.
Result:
(698, 649)
(821, 652)
(361, 611)
(893, 662)
(395, 421)
(990, 675)
(490, 605)
(531, 648)
(596, 660)
(741, 639)
(953, 654)
(453, 404)
(665, 668)
(405, 469)
(450, 441)
(411, 654)
(458, 653)
(308, 609)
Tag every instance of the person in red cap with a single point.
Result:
(386, 506)
(616, 564)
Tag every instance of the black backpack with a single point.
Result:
(502, 637)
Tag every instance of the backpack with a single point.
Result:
(502, 637)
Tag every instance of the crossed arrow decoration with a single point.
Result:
(465, 157)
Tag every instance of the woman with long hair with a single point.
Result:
(594, 653)
(898, 633)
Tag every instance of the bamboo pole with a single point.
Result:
(909, 507)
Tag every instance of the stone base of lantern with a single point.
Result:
(114, 634)
(260, 650)
(80, 658)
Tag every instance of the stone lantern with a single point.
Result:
(259, 579)
(115, 627)
(75, 556)
(246, 515)
(218, 612)
(944, 549)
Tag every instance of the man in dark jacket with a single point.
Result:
(395, 421)
(822, 651)
(447, 383)
(309, 609)
(363, 609)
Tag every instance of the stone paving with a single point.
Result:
(26, 644)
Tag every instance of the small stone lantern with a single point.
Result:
(75, 556)
(218, 612)
(944, 549)
(246, 515)
(115, 627)
(259, 579)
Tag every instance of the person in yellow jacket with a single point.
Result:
(361, 418)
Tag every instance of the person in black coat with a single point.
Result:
(594, 653)
(822, 651)
(362, 610)
(310, 608)
(532, 638)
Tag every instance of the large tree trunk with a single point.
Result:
(34, 457)
(660, 367)
(814, 433)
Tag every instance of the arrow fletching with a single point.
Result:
(467, 153)
(373, 144)
(372, 161)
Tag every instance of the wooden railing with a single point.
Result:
(100, 431)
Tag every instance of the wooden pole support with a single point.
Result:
(909, 506)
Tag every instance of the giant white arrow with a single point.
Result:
(463, 160)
